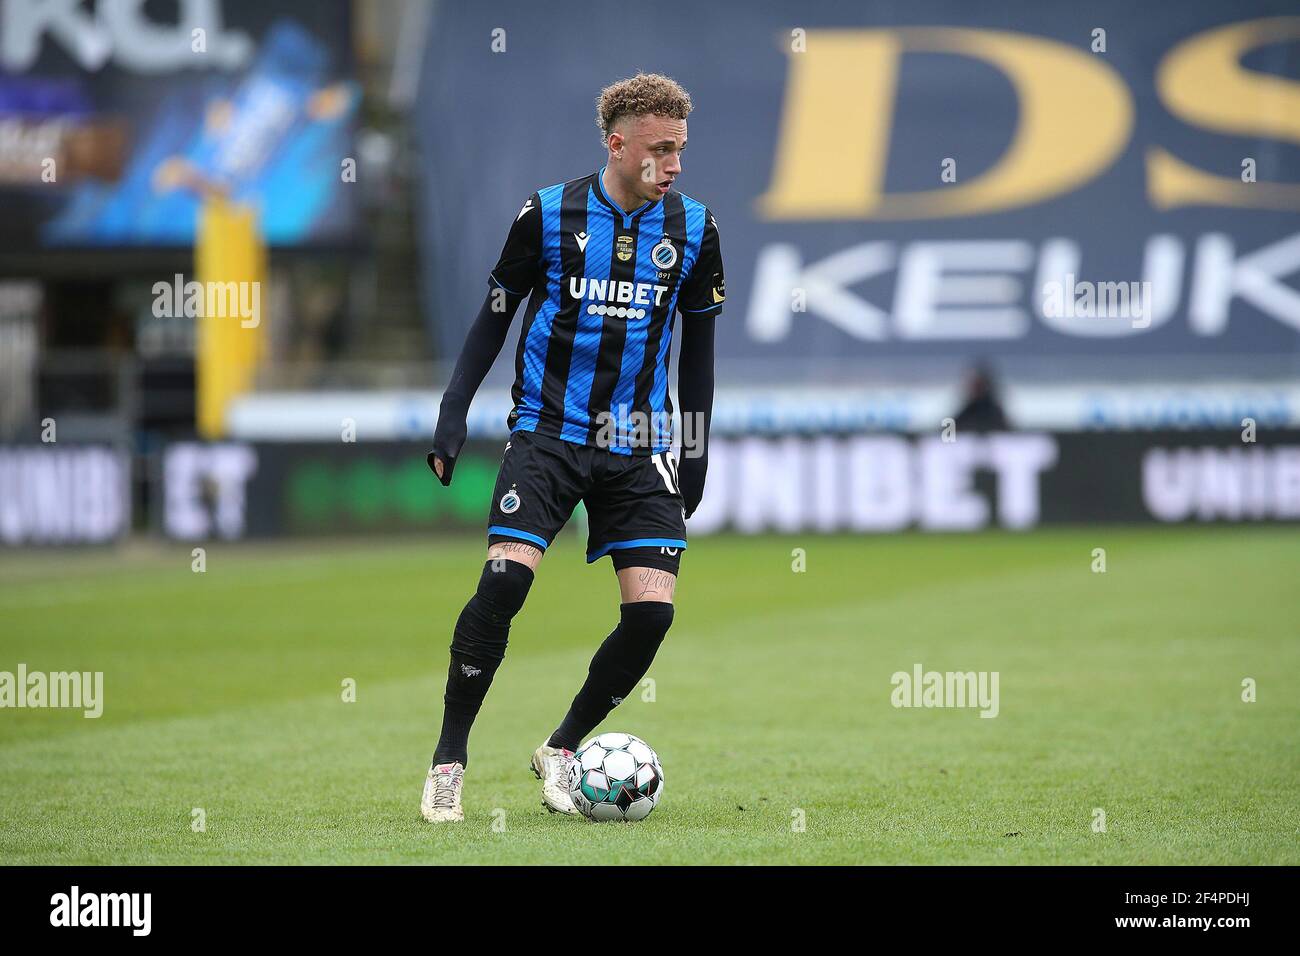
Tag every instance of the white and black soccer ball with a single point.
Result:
(615, 777)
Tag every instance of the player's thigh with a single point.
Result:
(646, 584)
(647, 573)
(525, 554)
(540, 482)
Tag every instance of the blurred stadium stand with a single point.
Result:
(858, 304)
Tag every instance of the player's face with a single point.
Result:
(651, 159)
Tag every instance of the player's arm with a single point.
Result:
(700, 304)
(510, 283)
(695, 391)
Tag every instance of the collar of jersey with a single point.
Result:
(627, 216)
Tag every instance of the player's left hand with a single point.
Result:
(441, 467)
(448, 439)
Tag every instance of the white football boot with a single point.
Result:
(551, 765)
(441, 800)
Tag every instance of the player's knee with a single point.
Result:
(484, 625)
(627, 654)
(503, 587)
(647, 622)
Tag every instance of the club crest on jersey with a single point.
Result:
(623, 249)
(509, 502)
(664, 255)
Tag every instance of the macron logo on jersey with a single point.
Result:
(527, 206)
(609, 290)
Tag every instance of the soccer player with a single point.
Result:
(606, 262)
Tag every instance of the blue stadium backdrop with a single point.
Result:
(820, 138)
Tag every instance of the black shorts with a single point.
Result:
(634, 505)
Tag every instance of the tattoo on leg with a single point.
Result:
(524, 552)
(651, 580)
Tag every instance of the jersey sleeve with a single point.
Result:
(705, 290)
(517, 269)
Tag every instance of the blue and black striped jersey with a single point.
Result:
(605, 285)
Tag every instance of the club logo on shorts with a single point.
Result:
(509, 502)
(664, 255)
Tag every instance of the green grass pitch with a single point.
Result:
(223, 691)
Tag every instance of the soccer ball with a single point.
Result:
(615, 777)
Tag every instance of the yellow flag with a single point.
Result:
(230, 263)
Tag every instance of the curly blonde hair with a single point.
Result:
(646, 94)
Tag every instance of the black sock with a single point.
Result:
(468, 680)
(620, 663)
(477, 648)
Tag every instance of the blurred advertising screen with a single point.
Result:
(1027, 182)
(114, 118)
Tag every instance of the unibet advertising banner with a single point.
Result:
(64, 494)
(234, 490)
(867, 483)
(927, 179)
